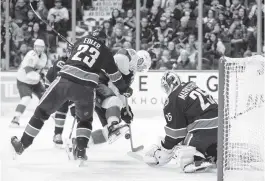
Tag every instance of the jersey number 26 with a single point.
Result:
(90, 59)
(205, 99)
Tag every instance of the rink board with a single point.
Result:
(147, 99)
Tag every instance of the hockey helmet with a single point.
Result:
(39, 46)
(100, 35)
(170, 80)
(143, 61)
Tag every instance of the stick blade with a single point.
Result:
(135, 156)
(139, 148)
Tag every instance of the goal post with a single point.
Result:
(241, 115)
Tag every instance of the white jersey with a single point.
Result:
(31, 63)
(126, 61)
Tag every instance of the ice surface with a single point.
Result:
(43, 162)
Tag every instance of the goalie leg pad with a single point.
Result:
(185, 155)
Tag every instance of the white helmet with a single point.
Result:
(170, 80)
(39, 46)
(143, 61)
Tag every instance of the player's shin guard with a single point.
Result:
(33, 128)
(83, 132)
(59, 122)
(20, 109)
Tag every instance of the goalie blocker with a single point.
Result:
(192, 120)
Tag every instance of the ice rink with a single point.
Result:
(44, 162)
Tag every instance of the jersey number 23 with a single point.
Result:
(90, 59)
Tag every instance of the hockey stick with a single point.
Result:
(134, 149)
(56, 32)
(69, 142)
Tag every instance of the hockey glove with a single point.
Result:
(158, 156)
(128, 93)
(125, 116)
(72, 108)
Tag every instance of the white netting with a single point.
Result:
(244, 119)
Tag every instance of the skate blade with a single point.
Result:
(82, 162)
(59, 146)
(13, 152)
(120, 133)
(12, 125)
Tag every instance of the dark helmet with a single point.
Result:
(100, 35)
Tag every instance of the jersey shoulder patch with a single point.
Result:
(60, 64)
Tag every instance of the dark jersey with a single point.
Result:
(88, 57)
(188, 108)
(53, 71)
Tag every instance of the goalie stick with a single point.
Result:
(133, 149)
(56, 32)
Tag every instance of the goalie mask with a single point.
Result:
(170, 80)
(39, 46)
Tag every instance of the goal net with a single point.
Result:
(241, 119)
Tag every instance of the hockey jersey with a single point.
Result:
(54, 70)
(88, 57)
(126, 61)
(188, 108)
(32, 63)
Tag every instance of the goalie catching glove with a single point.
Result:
(158, 155)
(126, 116)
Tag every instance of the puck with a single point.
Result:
(127, 136)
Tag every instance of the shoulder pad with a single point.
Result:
(122, 51)
(32, 53)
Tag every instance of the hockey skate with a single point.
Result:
(80, 154)
(199, 165)
(15, 122)
(117, 130)
(17, 146)
(57, 139)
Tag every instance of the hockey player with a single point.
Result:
(28, 78)
(60, 114)
(192, 118)
(77, 82)
(110, 106)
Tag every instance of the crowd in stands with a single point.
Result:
(169, 29)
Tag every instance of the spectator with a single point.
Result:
(42, 12)
(114, 15)
(171, 22)
(130, 20)
(61, 16)
(165, 63)
(146, 32)
(30, 20)
(20, 55)
(108, 30)
(214, 49)
(36, 34)
(21, 10)
(51, 36)
(128, 5)
(154, 17)
(164, 30)
(181, 38)
(172, 51)
(117, 40)
(127, 45)
(184, 63)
